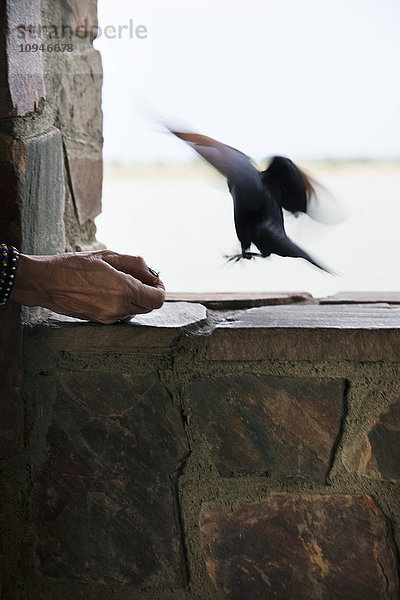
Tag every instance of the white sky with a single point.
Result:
(308, 79)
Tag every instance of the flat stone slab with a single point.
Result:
(300, 548)
(82, 337)
(230, 300)
(173, 314)
(362, 298)
(318, 317)
(261, 424)
(309, 332)
(153, 333)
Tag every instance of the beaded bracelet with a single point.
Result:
(8, 265)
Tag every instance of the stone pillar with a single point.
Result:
(51, 125)
(50, 193)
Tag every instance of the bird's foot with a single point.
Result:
(246, 255)
(233, 258)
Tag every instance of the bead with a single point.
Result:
(8, 265)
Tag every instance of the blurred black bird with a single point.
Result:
(259, 197)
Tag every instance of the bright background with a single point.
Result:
(315, 80)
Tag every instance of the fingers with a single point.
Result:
(102, 286)
(132, 265)
(144, 298)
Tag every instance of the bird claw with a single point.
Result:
(233, 258)
(246, 255)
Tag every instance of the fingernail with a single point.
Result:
(153, 272)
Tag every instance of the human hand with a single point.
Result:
(101, 286)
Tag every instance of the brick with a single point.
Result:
(309, 332)
(105, 450)
(12, 411)
(24, 85)
(282, 426)
(379, 457)
(302, 548)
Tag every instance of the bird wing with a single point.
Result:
(232, 163)
(297, 192)
(290, 184)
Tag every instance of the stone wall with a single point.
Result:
(238, 454)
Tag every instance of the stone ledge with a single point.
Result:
(301, 332)
(309, 333)
(153, 333)
(378, 316)
(362, 298)
(229, 300)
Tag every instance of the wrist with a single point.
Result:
(29, 283)
(8, 267)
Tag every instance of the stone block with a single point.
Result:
(300, 548)
(106, 448)
(152, 334)
(42, 195)
(86, 182)
(79, 117)
(380, 454)
(309, 332)
(24, 86)
(282, 426)
(80, 337)
(78, 93)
